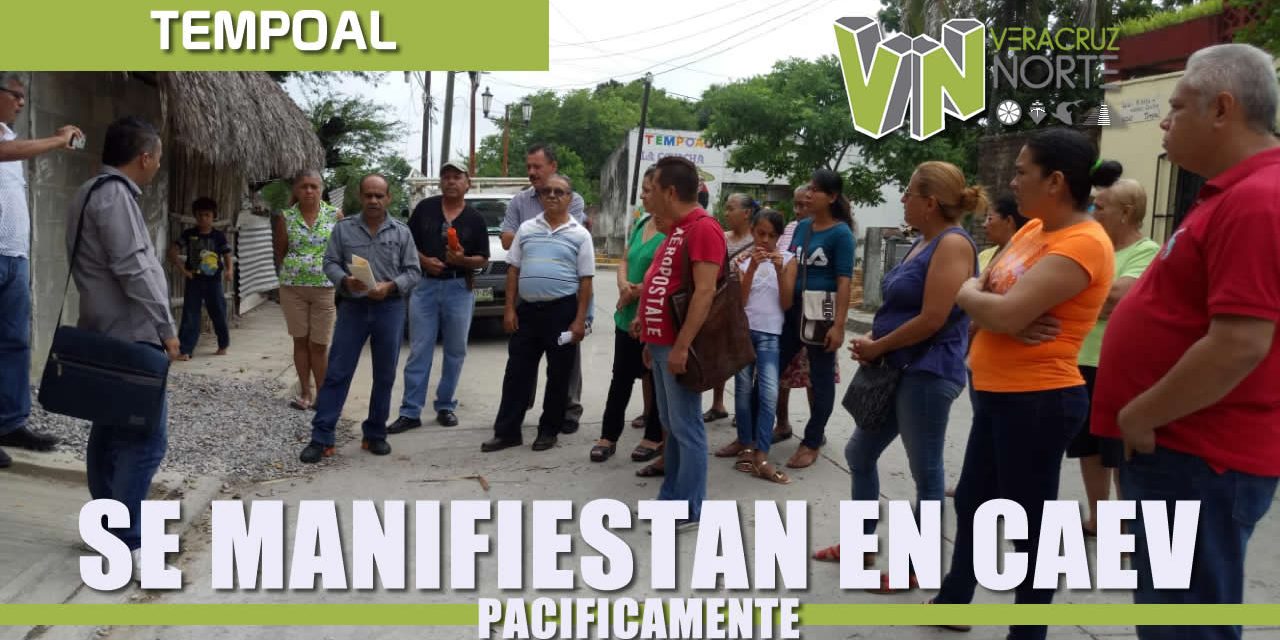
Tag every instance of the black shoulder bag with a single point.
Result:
(870, 395)
(92, 376)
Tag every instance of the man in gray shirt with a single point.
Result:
(365, 313)
(123, 294)
(540, 160)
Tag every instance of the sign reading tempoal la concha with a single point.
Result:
(882, 77)
(301, 35)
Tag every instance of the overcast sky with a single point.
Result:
(689, 45)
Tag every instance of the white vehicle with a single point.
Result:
(491, 282)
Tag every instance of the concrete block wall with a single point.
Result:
(90, 101)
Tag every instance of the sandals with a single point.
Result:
(828, 554)
(638, 421)
(766, 471)
(804, 457)
(651, 471)
(779, 436)
(731, 450)
(713, 415)
(600, 452)
(644, 454)
(298, 403)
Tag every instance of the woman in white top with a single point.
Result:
(767, 292)
(739, 211)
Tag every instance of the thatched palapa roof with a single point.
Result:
(242, 120)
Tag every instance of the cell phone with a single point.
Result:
(77, 142)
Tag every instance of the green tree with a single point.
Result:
(356, 134)
(585, 126)
(789, 122)
(1264, 32)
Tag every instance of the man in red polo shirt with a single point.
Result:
(1190, 370)
(695, 238)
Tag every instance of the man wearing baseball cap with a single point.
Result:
(452, 242)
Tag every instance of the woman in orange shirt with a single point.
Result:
(1033, 305)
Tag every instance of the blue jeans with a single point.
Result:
(921, 410)
(380, 323)
(435, 306)
(203, 293)
(755, 393)
(822, 376)
(120, 463)
(1231, 504)
(15, 343)
(1014, 452)
(685, 457)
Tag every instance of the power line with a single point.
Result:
(728, 5)
(574, 26)
(797, 13)
(678, 39)
(814, 5)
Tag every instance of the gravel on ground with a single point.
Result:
(235, 428)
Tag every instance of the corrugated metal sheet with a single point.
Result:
(257, 269)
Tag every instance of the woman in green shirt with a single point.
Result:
(628, 359)
(1119, 209)
(300, 237)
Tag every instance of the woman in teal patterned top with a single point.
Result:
(300, 236)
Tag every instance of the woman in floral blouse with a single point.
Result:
(300, 236)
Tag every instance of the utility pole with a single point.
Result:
(644, 115)
(448, 119)
(475, 84)
(426, 124)
(506, 136)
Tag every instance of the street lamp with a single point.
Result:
(526, 111)
(475, 84)
(486, 101)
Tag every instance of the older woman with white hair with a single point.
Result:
(1120, 209)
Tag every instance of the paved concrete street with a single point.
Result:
(434, 463)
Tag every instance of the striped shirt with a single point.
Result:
(552, 262)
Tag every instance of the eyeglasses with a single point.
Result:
(17, 95)
(553, 193)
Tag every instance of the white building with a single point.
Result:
(617, 183)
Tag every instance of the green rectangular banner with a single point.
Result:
(294, 35)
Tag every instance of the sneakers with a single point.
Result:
(24, 438)
(447, 418)
(682, 526)
(315, 451)
(5, 460)
(377, 447)
(137, 566)
(403, 424)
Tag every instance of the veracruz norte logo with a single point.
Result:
(883, 77)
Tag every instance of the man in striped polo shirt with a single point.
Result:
(552, 262)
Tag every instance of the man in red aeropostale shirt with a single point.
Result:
(697, 238)
(1190, 370)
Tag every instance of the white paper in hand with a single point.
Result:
(360, 270)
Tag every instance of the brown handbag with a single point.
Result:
(723, 345)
